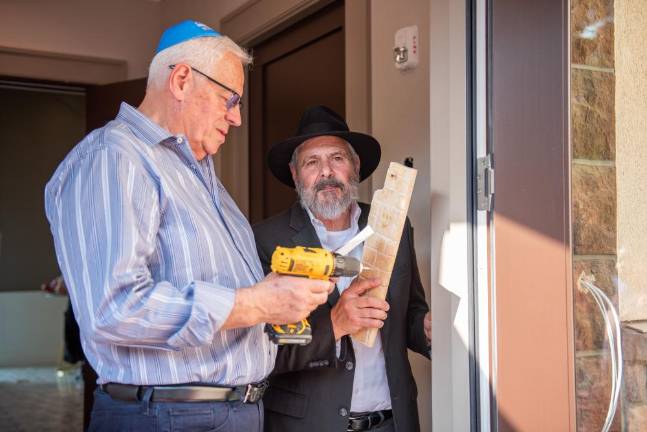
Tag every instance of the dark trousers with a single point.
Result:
(89, 385)
(145, 416)
(387, 426)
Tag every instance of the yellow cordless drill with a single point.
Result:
(314, 263)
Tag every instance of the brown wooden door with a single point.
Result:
(103, 101)
(529, 139)
(40, 122)
(300, 67)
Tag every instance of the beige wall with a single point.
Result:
(118, 29)
(207, 11)
(126, 30)
(400, 121)
(631, 156)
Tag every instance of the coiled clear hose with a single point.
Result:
(612, 326)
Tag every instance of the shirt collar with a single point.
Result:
(320, 228)
(145, 129)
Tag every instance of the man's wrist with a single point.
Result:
(336, 331)
(245, 312)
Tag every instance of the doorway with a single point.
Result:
(297, 68)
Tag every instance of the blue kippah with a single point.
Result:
(184, 31)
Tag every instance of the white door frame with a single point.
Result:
(483, 281)
(461, 378)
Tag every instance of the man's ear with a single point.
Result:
(180, 81)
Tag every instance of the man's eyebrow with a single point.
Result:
(343, 153)
(312, 156)
(335, 153)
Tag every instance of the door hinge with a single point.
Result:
(484, 183)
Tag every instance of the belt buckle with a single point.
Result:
(365, 422)
(378, 421)
(254, 392)
(359, 423)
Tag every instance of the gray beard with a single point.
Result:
(328, 207)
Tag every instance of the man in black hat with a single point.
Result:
(335, 384)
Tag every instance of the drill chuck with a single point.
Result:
(346, 266)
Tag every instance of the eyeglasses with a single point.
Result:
(232, 101)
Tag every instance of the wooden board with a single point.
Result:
(388, 213)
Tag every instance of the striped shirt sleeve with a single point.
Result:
(108, 213)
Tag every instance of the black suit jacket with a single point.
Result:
(310, 387)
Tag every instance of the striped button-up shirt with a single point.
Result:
(152, 249)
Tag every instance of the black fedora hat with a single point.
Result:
(318, 121)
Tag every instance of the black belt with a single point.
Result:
(368, 420)
(250, 393)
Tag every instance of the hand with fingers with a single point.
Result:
(277, 299)
(289, 299)
(427, 324)
(354, 311)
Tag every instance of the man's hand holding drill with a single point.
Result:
(278, 299)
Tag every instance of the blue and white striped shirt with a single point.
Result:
(152, 249)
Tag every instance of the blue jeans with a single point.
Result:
(109, 414)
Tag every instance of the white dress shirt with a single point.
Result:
(370, 385)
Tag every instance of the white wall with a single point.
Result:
(31, 329)
(400, 121)
(117, 29)
(450, 373)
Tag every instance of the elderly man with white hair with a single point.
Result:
(160, 264)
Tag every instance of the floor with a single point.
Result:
(44, 399)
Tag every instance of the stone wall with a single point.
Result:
(593, 200)
(595, 220)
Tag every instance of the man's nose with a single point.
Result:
(326, 170)
(233, 116)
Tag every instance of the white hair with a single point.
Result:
(202, 53)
